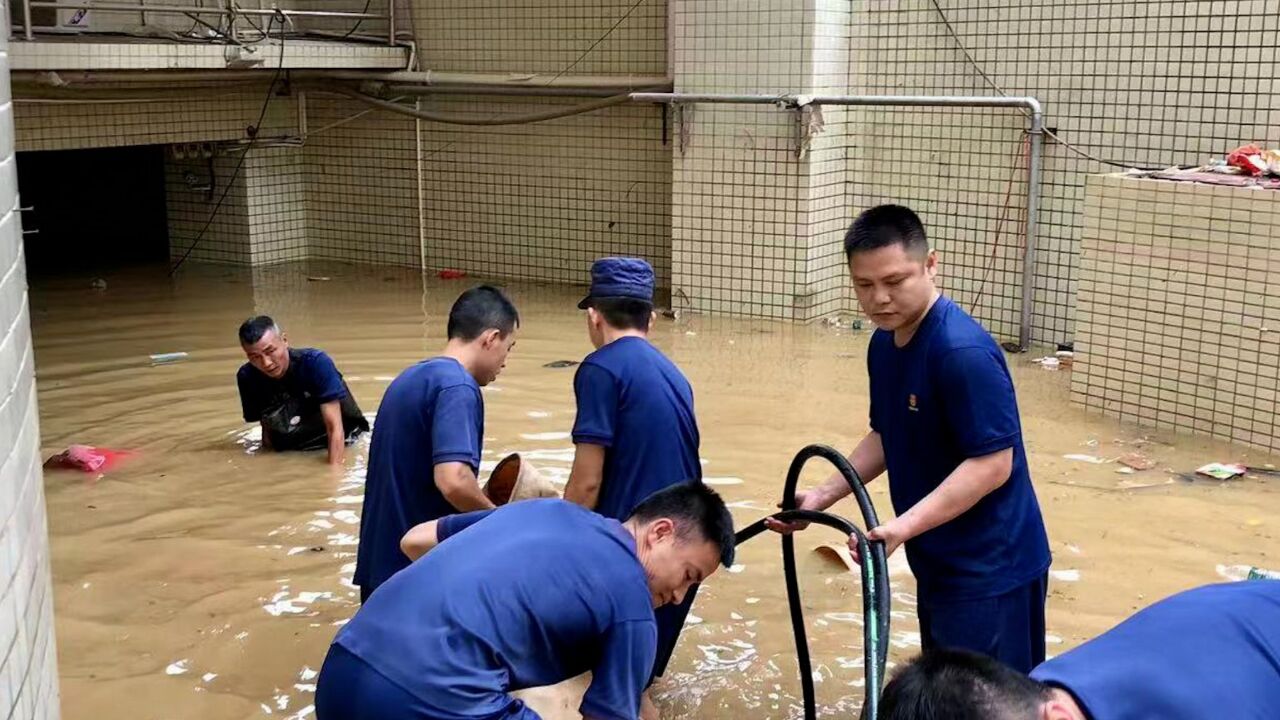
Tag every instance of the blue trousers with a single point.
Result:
(1008, 627)
(349, 689)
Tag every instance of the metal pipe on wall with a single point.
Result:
(113, 7)
(1035, 171)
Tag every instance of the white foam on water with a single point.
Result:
(303, 713)
(722, 480)
(734, 616)
(178, 667)
(905, 639)
(282, 604)
(321, 523)
(1065, 575)
(208, 677)
(282, 702)
(746, 505)
(307, 673)
(546, 436)
(304, 687)
(265, 708)
(297, 550)
(383, 378)
(845, 617)
(349, 499)
(323, 513)
(692, 619)
(753, 600)
(344, 540)
(242, 635)
(737, 568)
(1052, 639)
(340, 623)
(538, 414)
(347, 516)
(488, 465)
(1075, 549)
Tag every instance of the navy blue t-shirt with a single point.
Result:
(432, 413)
(944, 398)
(638, 405)
(312, 380)
(1211, 652)
(527, 595)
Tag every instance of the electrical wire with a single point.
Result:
(942, 15)
(354, 28)
(1023, 151)
(490, 121)
(257, 129)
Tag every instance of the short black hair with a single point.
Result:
(886, 225)
(693, 507)
(252, 330)
(482, 308)
(960, 685)
(624, 313)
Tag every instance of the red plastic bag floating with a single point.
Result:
(1248, 158)
(452, 274)
(86, 459)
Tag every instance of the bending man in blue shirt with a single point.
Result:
(944, 423)
(635, 431)
(297, 395)
(425, 451)
(527, 595)
(1208, 653)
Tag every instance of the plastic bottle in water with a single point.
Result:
(1257, 573)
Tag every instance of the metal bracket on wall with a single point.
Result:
(808, 122)
(683, 123)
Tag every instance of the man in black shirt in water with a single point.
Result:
(298, 395)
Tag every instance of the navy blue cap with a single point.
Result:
(620, 277)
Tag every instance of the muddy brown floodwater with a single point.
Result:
(205, 579)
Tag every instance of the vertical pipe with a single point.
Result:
(391, 22)
(302, 114)
(1034, 172)
(142, 12)
(27, 32)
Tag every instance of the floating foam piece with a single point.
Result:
(178, 667)
(545, 436)
(1065, 575)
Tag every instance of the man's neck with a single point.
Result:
(612, 334)
(463, 352)
(903, 335)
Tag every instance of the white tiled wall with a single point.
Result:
(29, 686)
(1179, 313)
(1147, 82)
(541, 201)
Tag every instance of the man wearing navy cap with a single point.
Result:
(635, 432)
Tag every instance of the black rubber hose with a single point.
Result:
(875, 578)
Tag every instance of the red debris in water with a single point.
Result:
(452, 274)
(86, 459)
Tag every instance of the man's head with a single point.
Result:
(683, 533)
(621, 297)
(265, 345)
(891, 265)
(485, 320)
(961, 685)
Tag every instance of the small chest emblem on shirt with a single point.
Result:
(912, 403)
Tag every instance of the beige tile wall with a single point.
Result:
(29, 682)
(262, 219)
(361, 184)
(756, 229)
(1151, 83)
(541, 201)
(1178, 322)
(192, 191)
(149, 119)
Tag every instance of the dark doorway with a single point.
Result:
(94, 210)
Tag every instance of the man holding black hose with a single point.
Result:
(944, 423)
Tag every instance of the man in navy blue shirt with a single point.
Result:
(944, 423)
(297, 395)
(635, 431)
(425, 451)
(1208, 653)
(527, 595)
